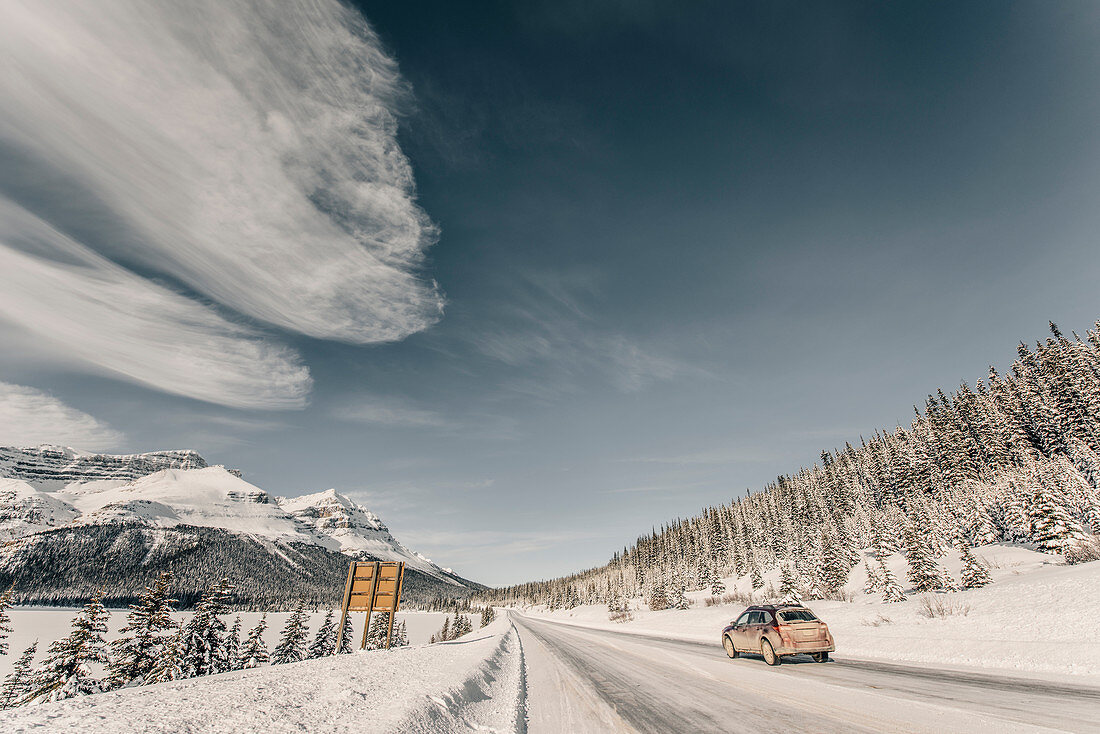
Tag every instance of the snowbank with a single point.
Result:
(472, 683)
(1037, 617)
(47, 624)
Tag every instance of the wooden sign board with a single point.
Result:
(372, 586)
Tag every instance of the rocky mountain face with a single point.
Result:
(60, 465)
(72, 522)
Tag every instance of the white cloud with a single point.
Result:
(389, 411)
(29, 417)
(92, 310)
(244, 150)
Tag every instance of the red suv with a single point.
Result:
(774, 630)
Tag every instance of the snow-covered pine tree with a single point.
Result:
(345, 639)
(834, 563)
(169, 665)
(874, 582)
(149, 627)
(400, 635)
(17, 684)
(1052, 528)
(324, 642)
(974, 573)
(66, 672)
(658, 599)
(292, 643)
(717, 586)
(461, 626)
(5, 620)
(254, 651)
(788, 586)
(487, 615)
(230, 653)
(445, 633)
(924, 572)
(204, 634)
(891, 589)
(756, 578)
(376, 633)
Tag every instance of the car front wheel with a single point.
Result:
(768, 652)
(820, 657)
(728, 644)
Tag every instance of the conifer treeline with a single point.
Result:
(1016, 458)
(154, 648)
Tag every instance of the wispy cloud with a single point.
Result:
(390, 411)
(550, 329)
(398, 412)
(713, 456)
(95, 311)
(29, 417)
(243, 151)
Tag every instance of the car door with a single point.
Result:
(753, 630)
(739, 632)
(760, 628)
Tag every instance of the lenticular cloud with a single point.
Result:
(241, 151)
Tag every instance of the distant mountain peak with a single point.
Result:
(49, 487)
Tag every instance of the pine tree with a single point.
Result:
(1052, 528)
(461, 626)
(254, 651)
(834, 563)
(874, 583)
(204, 634)
(400, 635)
(891, 589)
(231, 651)
(658, 600)
(66, 672)
(169, 665)
(345, 639)
(974, 573)
(717, 586)
(5, 620)
(924, 572)
(488, 615)
(148, 628)
(292, 644)
(324, 642)
(445, 633)
(18, 682)
(757, 579)
(788, 587)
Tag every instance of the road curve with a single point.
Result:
(665, 685)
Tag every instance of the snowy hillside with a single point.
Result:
(1034, 618)
(53, 499)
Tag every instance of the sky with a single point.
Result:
(529, 279)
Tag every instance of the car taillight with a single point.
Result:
(784, 633)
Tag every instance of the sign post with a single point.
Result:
(372, 586)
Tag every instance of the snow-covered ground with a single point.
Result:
(1038, 617)
(46, 624)
(474, 683)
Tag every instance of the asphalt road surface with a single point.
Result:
(582, 680)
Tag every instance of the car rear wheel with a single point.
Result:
(768, 652)
(820, 657)
(727, 643)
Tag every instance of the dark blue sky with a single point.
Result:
(683, 247)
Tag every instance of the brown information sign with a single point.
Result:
(372, 586)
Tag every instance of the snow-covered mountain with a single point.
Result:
(48, 489)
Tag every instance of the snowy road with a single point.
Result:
(596, 680)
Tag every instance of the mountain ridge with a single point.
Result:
(54, 496)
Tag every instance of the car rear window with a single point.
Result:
(797, 615)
